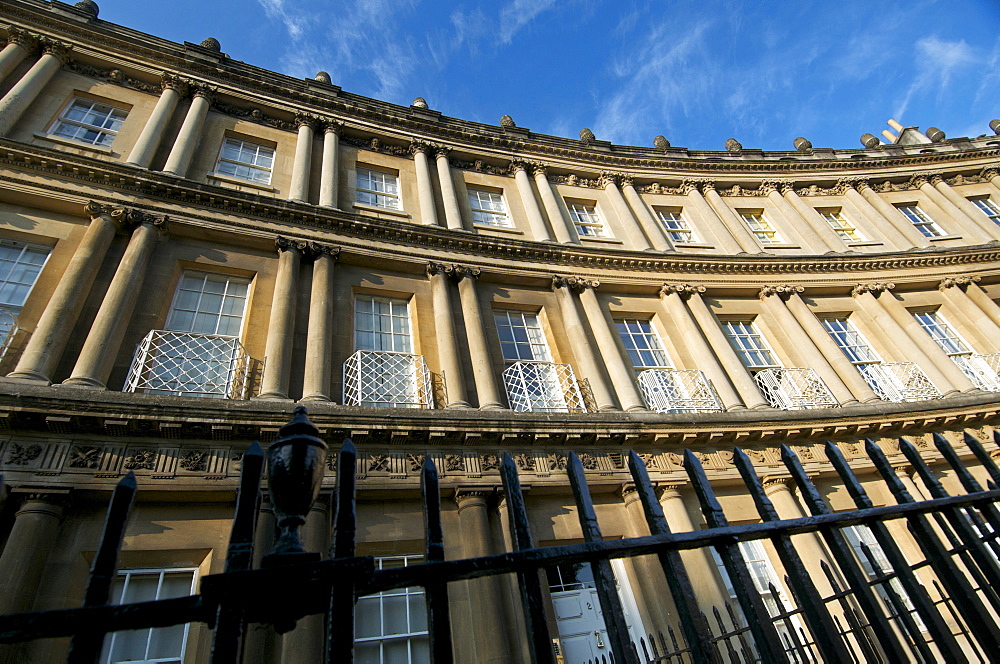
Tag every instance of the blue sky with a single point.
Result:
(696, 71)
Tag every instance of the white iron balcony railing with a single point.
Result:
(899, 381)
(8, 329)
(678, 391)
(794, 389)
(542, 387)
(192, 365)
(982, 370)
(386, 379)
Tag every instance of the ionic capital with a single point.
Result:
(784, 291)
(314, 250)
(683, 290)
(574, 284)
(961, 282)
(133, 218)
(460, 272)
(439, 268)
(282, 243)
(665, 492)
(170, 81)
(94, 209)
(774, 484)
(875, 289)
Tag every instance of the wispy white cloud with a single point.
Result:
(293, 19)
(518, 13)
(937, 62)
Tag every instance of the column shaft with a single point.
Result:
(736, 226)
(19, 98)
(11, 56)
(152, 133)
(652, 227)
(806, 351)
(444, 327)
(328, 174)
(278, 349)
(893, 216)
(625, 216)
(986, 331)
(319, 342)
(699, 563)
(621, 375)
(984, 302)
(826, 234)
(847, 372)
(583, 351)
(809, 546)
(425, 190)
(702, 355)
(967, 209)
(46, 344)
(968, 226)
(653, 593)
(561, 226)
(811, 240)
(262, 644)
(187, 139)
(738, 374)
(876, 221)
(535, 221)
(452, 211)
(724, 238)
(100, 350)
(487, 389)
(299, 188)
(22, 563)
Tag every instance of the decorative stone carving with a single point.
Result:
(507, 122)
(250, 114)
(935, 134)
(314, 250)
(374, 144)
(441, 151)
(459, 272)
(58, 49)
(173, 82)
(588, 461)
(784, 291)
(917, 181)
(282, 243)
(116, 76)
(575, 284)
(85, 456)
(766, 187)
(419, 102)
(416, 462)
(95, 209)
(88, 6)
(875, 289)
(23, 38)
(556, 461)
(212, 44)
(323, 77)
(733, 145)
(962, 282)
(989, 173)
(684, 290)
(775, 484)
(525, 461)
(454, 463)
(869, 140)
(608, 179)
(586, 136)
(304, 119)
(378, 462)
(490, 462)
(196, 461)
(22, 455)
(661, 143)
(140, 460)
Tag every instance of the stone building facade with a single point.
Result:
(190, 246)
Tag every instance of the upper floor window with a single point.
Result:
(839, 223)
(521, 337)
(89, 121)
(245, 160)
(163, 645)
(941, 333)
(20, 265)
(377, 188)
(381, 323)
(850, 341)
(586, 220)
(927, 226)
(989, 208)
(391, 625)
(488, 208)
(642, 344)
(761, 227)
(749, 344)
(676, 226)
(209, 304)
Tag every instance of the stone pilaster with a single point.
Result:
(425, 187)
(189, 135)
(487, 389)
(734, 224)
(562, 227)
(20, 44)
(452, 211)
(633, 229)
(328, 177)
(302, 164)
(17, 100)
(535, 221)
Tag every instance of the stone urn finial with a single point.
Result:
(212, 44)
(869, 140)
(322, 77)
(507, 122)
(661, 143)
(733, 145)
(935, 134)
(419, 102)
(587, 136)
(802, 144)
(88, 6)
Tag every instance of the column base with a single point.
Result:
(317, 397)
(608, 409)
(637, 409)
(493, 406)
(459, 405)
(27, 377)
(732, 408)
(83, 381)
(272, 396)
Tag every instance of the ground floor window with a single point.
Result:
(391, 626)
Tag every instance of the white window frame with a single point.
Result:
(488, 208)
(412, 637)
(749, 344)
(761, 228)
(109, 640)
(841, 226)
(920, 220)
(381, 186)
(642, 344)
(587, 220)
(943, 334)
(988, 207)
(529, 346)
(97, 123)
(253, 162)
(384, 326)
(850, 341)
(676, 226)
(15, 302)
(228, 295)
(856, 535)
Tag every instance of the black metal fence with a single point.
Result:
(883, 614)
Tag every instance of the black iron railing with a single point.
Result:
(886, 615)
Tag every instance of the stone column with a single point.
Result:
(876, 222)
(810, 237)
(653, 594)
(956, 292)
(969, 227)
(624, 212)
(983, 301)
(46, 344)
(302, 164)
(607, 344)
(578, 339)
(735, 225)
(328, 177)
(20, 44)
(149, 139)
(742, 380)
(831, 351)
(773, 298)
(452, 211)
(281, 326)
(535, 220)
(319, 342)
(564, 230)
(699, 563)
(487, 389)
(652, 227)
(425, 188)
(187, 139)
(813, 219)
(724, 238)
(100, 349)
(19, 98)
(991, 175)
(444, 328)
(673, 297)
(966, 209)
(489, 633)
(36, 524)
(307, 642)
(262, 644)
(888, 213)
(912, 347)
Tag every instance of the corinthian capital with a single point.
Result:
(875, 289)
(516, 166)
(419, 146)
(767, 186)
(917, 181)
(962, 282)
(683, 290)
(989, 173)
(574, 284)
(608, 179)
(306, 120)
(687, 186)
(58, 49)
(22, 38)
(784, 291)
(170, 81)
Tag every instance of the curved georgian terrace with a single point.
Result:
(191, 246)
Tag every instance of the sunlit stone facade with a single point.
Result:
(191, 246)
